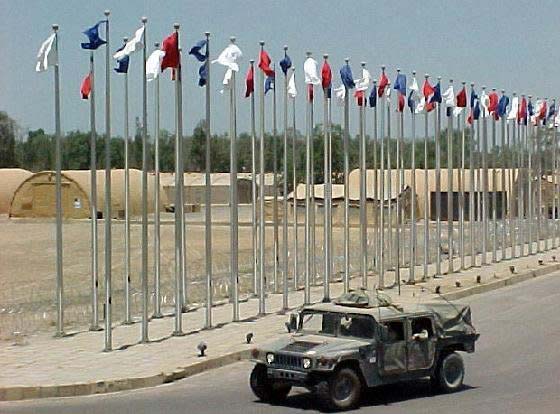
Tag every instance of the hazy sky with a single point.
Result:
(505, 44)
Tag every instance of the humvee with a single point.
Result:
(340, 349)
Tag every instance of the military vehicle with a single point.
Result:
(341, 349)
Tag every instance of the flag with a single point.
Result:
(436, 97)
(502, 105)
(135, 44)
(400, 84)
(382, 84)
(311, 71)
(428, 91)
(493, 102)
(346, 76)
(170, 47)
(552, 110)
(461, 98)
(153, 64)
(202, 75)
(326, 78)
(122, 63)
(530, 110)
(228, 58)
(514, 108)
(340, 94)
(413, 95)
(93, 36)
(292, 91)
(449, 97)
(522, 111)
(484, 101)
(543, 110)
(196, 50)
(310, 92)
(85, 89)
(47, 55)
(268, 84)
(264, 63)
(250, 81)
(359, 95)
(285, 64)
(400, 106)
(363, 83)
(373, 97)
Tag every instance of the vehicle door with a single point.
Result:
(393, 348)
(421, 343)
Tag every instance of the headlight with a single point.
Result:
(306, 363)
(270, 358)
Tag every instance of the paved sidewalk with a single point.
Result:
(76, 365)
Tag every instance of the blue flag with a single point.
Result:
(346, 76)
(552, 110)
(474, 98)
(530, 109)
(400, 84)
(411, 101)
(502, 105)
(93, 35)
(476, 111)
(203, 75)
(122, 63)
(436, 97)
(373, 97)
(286, 64)
(196, 50)
(268, 84)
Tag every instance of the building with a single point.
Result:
(10, 180)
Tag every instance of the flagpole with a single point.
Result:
(472, 188)
(412, 247)
(234, 216)
(389, 175)
(494, 194)
(521, 129)
(516, 144)
(157, 201)
(275, 185)
(262, 281)
(450, 192)
(511, 184)
(375, 184)
(208, 189)
(381, 281)
(307, 292)
(93, 203)
(461, 123)
(254, 228)
(437, 130)
(327, 212)
(503, 183)
(107, 213)
(530, 176)
(427, 201)
(58, 183)
(127, 316)
(399, 117)
(346, 149)
(285, 290)
(179, 207)
(554, 180)
(539, 188)
(295, 212)
(313, 271)
(363, 189)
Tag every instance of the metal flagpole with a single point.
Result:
(179, 206)
(478, 160)
(511, 183)
(494, 194)
(295, 211)
(399, 118)
(461, 126)
(145, 299)
(530, 175)
(450, 192)
(539, 188)
(519, 185)
(554, 181)
(254, 228)
(472, 188)
(521, 198)
(307, 292)
(157, 206)
(93, 201)
(381, 282)
(523, 142)
(437, 130)
(363, 195)
(58, 184)
(484, 182)
(328, 191)
(262, 279)
(208, 188)
(313, 270)
(427, 202)
(285, 290)
(127, 313)
(107, 212)
(503, 183)
(375, 185)
(234, 216)
(389, 177)
(275, 185)
(346, 149)
(412, 246)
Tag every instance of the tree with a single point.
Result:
(7, 141)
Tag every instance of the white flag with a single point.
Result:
(421, 105)
(153, 64)
(133, 45)
(292, 91)
(311, 70)
(229, 57)
(363, 83)
(457, 111)
(514, 107)
(47, 54)
(449, 96)
(340, 94)
(484, 102)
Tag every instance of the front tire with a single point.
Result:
(450, 373)
(264, 389)
(342, 391)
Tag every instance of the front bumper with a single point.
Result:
(288, 375)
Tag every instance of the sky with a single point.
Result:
(508, 45)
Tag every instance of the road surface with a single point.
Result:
(516, 369)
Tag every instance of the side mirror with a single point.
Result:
(291, 326)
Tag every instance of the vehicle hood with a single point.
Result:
(315, 345)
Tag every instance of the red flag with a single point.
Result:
(264, 63)
(250, 82)
(461, 98)
(401, 102)
(326, 76)
(542, 112)
(427, 90)
(85, 89)
(470, 118)
(492, 102)
(382, 84)
(170, 46)
(522, 111)
(359, 95)
(310, 92)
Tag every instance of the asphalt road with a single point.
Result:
(516, 369)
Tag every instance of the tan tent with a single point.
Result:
(10, 180)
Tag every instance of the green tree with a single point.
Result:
(7, 141)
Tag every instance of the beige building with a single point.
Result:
(10, 180)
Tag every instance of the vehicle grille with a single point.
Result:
(288, 361)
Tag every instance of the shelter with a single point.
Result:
(10, 180)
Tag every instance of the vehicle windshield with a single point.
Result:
(337, 324)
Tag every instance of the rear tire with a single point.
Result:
(450, 373)
(266, 390)
(342, 390)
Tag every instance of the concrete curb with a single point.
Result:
(108, 386)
